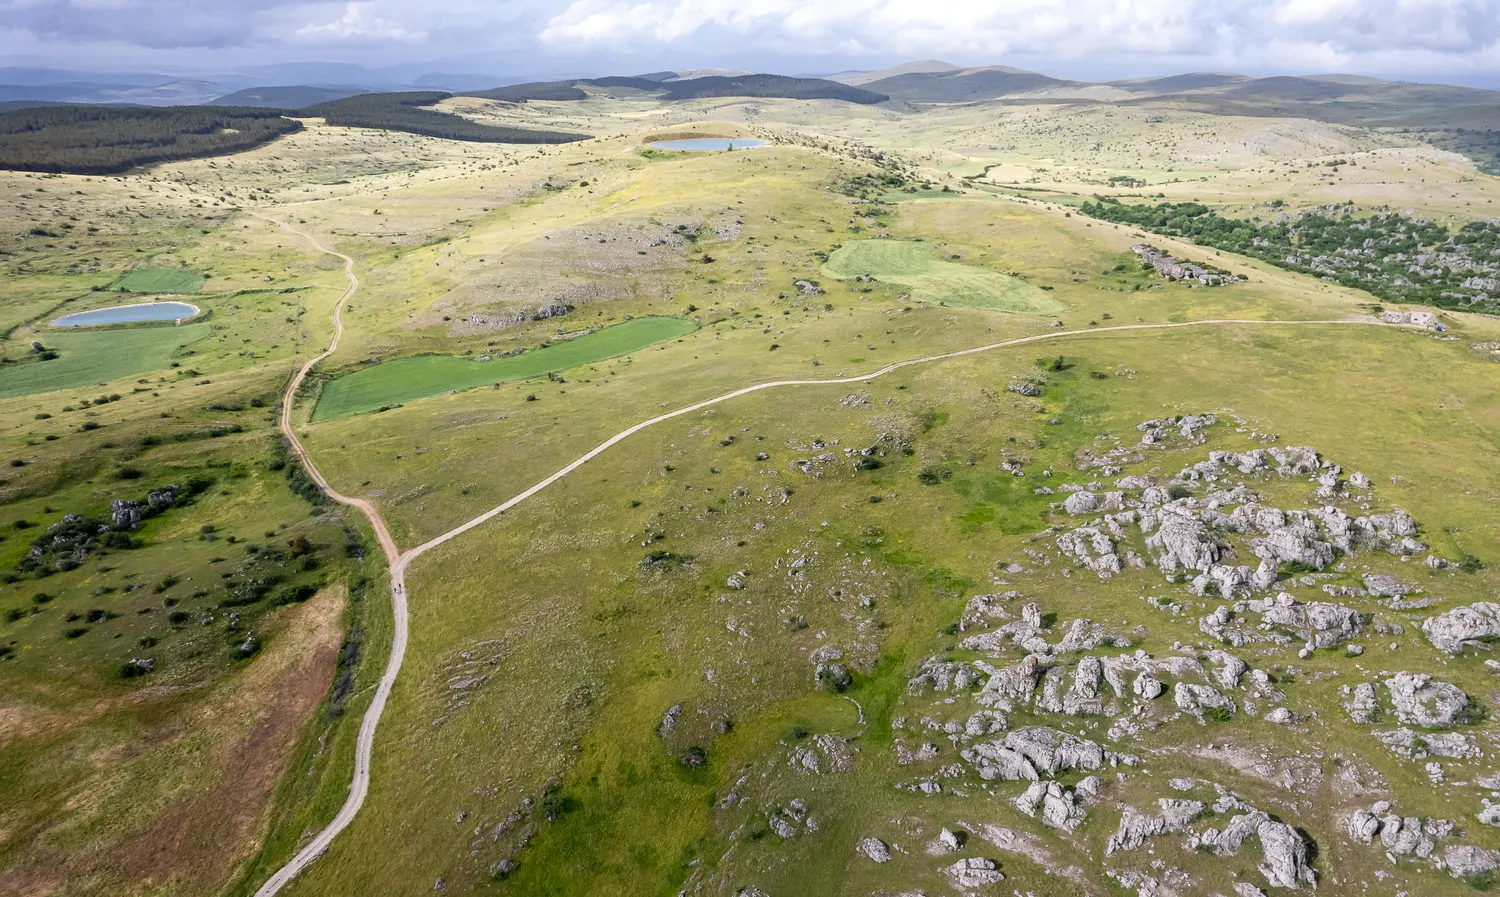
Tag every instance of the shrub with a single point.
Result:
(296, 594)
(136, 667)
(247, 649)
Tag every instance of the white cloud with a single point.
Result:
(1257, 33)
(553, 38)
(359, 23)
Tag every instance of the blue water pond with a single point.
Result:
(129, 314)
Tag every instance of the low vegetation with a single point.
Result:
(408, 112)
(1392, 255)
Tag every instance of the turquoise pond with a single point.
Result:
(708, 143)
(129, 314)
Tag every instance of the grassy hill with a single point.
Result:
(1178, 83)
(558, 91)
(965, 85)
(297, 97)
(771, 86)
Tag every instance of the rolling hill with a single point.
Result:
(965, 85)
(297, 97)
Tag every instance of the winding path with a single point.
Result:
(398, 561)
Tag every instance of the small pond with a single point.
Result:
(129, 314)
(709, 143)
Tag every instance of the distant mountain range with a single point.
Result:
(285, 97)
(1342, 98)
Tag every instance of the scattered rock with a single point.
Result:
(973, 872)
(875, 849)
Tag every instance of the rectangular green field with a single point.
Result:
(159, 280)
(100, 356)
(405, 379)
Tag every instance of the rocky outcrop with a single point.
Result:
(1135, 827)
(973, 872)
(1198, 699)
(1416, 746)
(1182, 542)
(1227, 669)
(1090, 547)
(825, 754)
(1176, 269)
(1468, 861)
(1452, 630)
(1228, 841)
(1284, 856)
(1399, 836)
(1058, 806)
(1421, 700)
(1363, 705)
(940, 675)
(1083, 697)
(1012, 686)
(1033, 753)
(1297, 544)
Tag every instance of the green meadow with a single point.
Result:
(159, 280)
(405, 379)
(911, 264)
(100, 356)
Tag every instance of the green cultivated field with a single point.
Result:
(159, 280)
(911, 264)
(98, 357)
(405, 379)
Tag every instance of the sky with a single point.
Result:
(1457, 41)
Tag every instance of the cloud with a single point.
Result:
(558, 37)
(149, 24)
(1258, 33)
(359, 23)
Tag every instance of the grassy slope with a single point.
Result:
(204, 724)
(159, 280)
(608, 648)
(405, 379)
(912, 265)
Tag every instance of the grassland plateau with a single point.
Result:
(854, 515)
